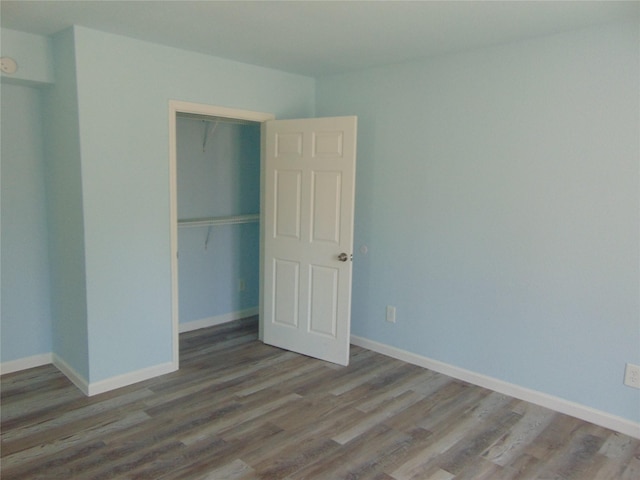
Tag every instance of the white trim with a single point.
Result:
(78, 380)
(218, 111)
(173, 229)
(90, 389)
(130, 378)
(75, 378)
(175, 107)
(263, 208)
(561, 405)
(25, 363)
(218, 319)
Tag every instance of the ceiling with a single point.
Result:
(317, 38)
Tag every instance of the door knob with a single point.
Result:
(343, 257)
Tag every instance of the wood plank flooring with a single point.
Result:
(238, 409)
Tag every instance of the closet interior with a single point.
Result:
(218, 193)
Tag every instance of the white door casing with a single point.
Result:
(309, 182)
(175, 107)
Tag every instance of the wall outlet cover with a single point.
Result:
(632, 375)
(391, 314)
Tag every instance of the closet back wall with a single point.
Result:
(219, 177)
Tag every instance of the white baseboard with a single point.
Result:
(567, 407)
(95, 388)
(26, 362)
(69, 372)
(130, 378)
(217, 320)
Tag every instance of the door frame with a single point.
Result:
(176, 107)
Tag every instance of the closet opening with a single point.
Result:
(216, 198)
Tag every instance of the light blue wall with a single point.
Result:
(107, 175)
(65, 213)
(25, 326)
(124, 88)
(497, 191)
(221, 179)
(33, 54)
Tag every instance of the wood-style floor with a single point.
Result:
(238, 409)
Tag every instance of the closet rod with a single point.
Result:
(222, 220)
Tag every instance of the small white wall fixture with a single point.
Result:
(8, 65)
(176, 107)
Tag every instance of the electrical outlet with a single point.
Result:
(632, 375)
(242, 286)
(391, 314)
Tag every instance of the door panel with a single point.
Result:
(323, 300)
(286, 281)
(287, 203)
(309, 203)
(325, 220)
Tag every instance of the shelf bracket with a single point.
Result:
(208, 132)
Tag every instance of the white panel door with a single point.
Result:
(308, 228)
